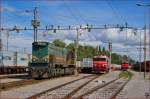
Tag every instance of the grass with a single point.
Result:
(125, 74)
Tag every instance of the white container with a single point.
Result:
(23, 59)
(79, 64)
(87, 62)
(7, 58)
(10, 58)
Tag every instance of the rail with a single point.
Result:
(57, 87)
(14, 84)
(108, 90)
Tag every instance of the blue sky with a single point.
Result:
(75, 12)
(80, 11)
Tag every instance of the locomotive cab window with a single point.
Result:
(39, 45)
(99, 59)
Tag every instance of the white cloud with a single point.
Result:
(7, 9)
(123, 40)
(120, 40)
(17, 42)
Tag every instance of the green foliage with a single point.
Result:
(70, 47)
(59, 43)
(115, 58)
(86, 51)
(125, 74)
(103, 51)
(90, 52)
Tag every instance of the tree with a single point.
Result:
(59, 43)
(70, 47)
(103, 51)
(90, 52)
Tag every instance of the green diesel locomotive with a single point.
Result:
(50, 61)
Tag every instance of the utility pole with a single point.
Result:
(1, 44)
(143, 5)
(76, 52)
(148, 5)
(144, 50)
(110, 50)
(140, 54)
(7, 36)
(1, 53)
(0, 40)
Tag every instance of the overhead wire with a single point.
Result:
(71, 12)
(119, 18)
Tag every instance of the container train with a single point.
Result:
(100, 64)
(49, 60)
(13, 62)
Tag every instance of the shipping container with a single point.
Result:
(10, 58)
(87, 62)
(7, 58)
(79, 64)
(23, 59)
(87, 65)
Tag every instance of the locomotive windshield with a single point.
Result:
(99, 59)
(39, 45)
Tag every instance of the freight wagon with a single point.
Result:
(137, 66)
(50, 61)
(87, 65)
(13, 62)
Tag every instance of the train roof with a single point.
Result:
(47, 43)
(101, 56)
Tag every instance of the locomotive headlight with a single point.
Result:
(95, 64)
(46, 59)
(34, 59)
(104, 65)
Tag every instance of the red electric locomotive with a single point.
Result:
(100, 64)
(124, 65)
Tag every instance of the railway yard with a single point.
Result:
(74, 49)
(84, 86)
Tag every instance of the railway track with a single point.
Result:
(13, 75)
(28, 81)
(14, 84)
(65, 90)
(106, 91)
(91, 87)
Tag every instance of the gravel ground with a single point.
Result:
(29, 90)
(64, 90)
(6, 80)
(99, 81)
(135, 88)
(108, 91)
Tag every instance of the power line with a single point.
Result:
(71, 12)
(116, 14)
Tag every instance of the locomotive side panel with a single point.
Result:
(49, 60)
(59, 54)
